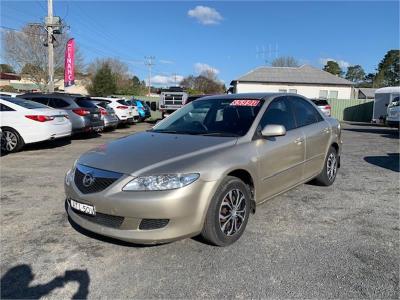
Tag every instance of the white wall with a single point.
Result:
(305, 90)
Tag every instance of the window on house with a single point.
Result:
(333, 95)
(323, 94)
(282, 91)
(293, 91)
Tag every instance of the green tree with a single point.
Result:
(333, 68)
(285, 61)
(355, 73)
(103, 82)
(388, 70)
(5, 68)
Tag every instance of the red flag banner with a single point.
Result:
(69, 76)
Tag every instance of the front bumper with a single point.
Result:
(184, 209)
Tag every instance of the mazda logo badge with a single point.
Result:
(88, 180)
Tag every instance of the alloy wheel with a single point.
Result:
(331, 166)
(232, 212)
(9, 141)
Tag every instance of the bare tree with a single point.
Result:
(285, 61)
(26, 50)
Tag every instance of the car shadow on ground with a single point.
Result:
(85, 136)
(386, 132)
(16, 283)
(389, 161)
(47, 144)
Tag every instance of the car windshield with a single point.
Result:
(26, 103)
(214, 117)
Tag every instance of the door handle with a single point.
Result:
(299, 141)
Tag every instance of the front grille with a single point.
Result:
(148, 224)
(102, 219)
(100, 179)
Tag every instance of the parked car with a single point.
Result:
(203, 169)
(8, 94)
(323, 105)
(83, 114)
(194, 97)
(123, 110)
(107, 114)
(393, 113)
(142, 108)
(24, 122)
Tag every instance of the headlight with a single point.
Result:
(160, 182)
(69, 177)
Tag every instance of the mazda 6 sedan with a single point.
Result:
(203, 169)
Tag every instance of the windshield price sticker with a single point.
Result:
(245, 102)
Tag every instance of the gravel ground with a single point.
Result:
(311, 242)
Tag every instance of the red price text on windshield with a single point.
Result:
(238, 102)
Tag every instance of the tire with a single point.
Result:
(329, 172)
(223, 233)
(11, 141)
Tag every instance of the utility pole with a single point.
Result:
(50, 45)
(149, 62)
(175, 79)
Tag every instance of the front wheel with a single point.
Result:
(328, 174)
(228, 213)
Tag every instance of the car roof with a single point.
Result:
(244, 96)
(49, 95)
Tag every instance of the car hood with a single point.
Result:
(139, 153)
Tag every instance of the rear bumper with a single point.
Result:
(393, 123)
(45, 133)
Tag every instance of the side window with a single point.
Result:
(58, 103)
(278, 112)
(5, 108)
(304, 112)
(44, 101)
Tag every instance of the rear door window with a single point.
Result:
(5, 108)
(304, 112)
(123, 102)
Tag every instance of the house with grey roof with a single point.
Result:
(366, 93)
(305, 80)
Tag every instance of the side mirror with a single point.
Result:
(272, 130)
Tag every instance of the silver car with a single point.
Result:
(108, 115)
(203, 169)
(83, 114)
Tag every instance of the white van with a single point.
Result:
(383, 98)
(393, 113)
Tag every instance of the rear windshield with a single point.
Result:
(26, 103)
(320, 102)
(123, 102)
(85, 102)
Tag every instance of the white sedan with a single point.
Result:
(126, 113)
(24, 122)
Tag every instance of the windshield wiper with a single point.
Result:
(223, 134)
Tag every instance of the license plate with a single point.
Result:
(59, 119)
(85, 208)
(96, 116)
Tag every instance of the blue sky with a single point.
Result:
(187, 37)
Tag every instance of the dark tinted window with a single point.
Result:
(123, 102)
(278, 113)
(58, 103)
(85, 102)
(320, 102)
(5, 108)
(305, 113)
(44, 101)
